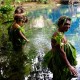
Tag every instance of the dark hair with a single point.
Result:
(19, 8)
(25, 19)
(19, 18)
(62, 20)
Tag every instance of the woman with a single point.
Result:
(62, 58)
(20, 11)
(18, 57)
(17, 31)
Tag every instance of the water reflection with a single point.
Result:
(38, 22)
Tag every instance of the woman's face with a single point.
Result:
(66, 26)
(18, 11)
(21, 23)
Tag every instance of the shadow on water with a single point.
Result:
(39, 30)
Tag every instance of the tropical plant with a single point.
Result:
(6, 9)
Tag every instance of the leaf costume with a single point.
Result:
(17, 39)
(56, 64)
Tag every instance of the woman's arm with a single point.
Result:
(22, 35)
(64, 57)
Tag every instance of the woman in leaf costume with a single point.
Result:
(62, 58)
(17, 32)
(18, 58)
(20, 11)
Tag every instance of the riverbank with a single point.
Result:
(30, 6)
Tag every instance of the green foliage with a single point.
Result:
(16, 65)
(27, 69)
(71, 53)
(47, 58)
(7, 2)
(59, 38)
(20, 1)
(6, 9)
(43, 1)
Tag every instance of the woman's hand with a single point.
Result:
(73, 70)
(27, 40)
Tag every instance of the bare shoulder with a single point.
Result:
(15, 26)
(55, 34)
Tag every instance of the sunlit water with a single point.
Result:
(42, 23)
